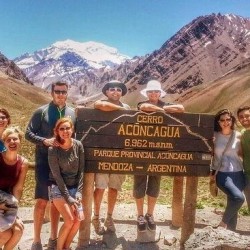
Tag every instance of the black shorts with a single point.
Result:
(42, 177)
(146, 184)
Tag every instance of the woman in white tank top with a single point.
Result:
(228, 165)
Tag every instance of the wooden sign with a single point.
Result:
(136, 142)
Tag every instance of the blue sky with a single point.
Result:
(134, 27)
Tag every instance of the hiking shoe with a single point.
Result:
(141, 223)
(99, 229)
(52, 244)
(36, 246)
(151, 223)
(109, 224)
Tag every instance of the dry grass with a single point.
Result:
(21, 100)
(166, 193)
(231, 91)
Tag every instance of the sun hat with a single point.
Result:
(153, 85)
(113, 84)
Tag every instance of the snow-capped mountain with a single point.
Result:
(75, 62)
(207, 48)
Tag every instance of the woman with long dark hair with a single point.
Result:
(4, 123)
(227, 166)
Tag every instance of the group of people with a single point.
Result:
(59, 167)
(231, 162)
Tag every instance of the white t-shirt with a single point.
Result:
(230, 162)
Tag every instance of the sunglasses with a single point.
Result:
(153, 91)
(226, 120)
(65, 129)
(3, 118)
(58, 92)
(244, 116)
(115, 89)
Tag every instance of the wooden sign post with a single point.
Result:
(135, 142)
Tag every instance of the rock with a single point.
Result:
(148, 236)
(219, 238)
(169, 240)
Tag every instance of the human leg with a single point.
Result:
(54, 221)
(153, 190)
(96, 222)
(5, 236)
(151, 204)
(149, 216)
(41, 196)
(112, 197)
(233, 223)
(17, 232)
(139, 205)
(72, 233)
(247, 191)
(115, 183)
(38, 215)
(68, 222)
(232, 184)
(139, 190)
(101, 182)
(47, 213)
(98, 196)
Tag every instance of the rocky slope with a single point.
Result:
(9, 68)
(202, 51)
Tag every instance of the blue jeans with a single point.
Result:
(232, 184)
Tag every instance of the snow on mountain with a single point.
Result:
(75, 62)
(97, 55)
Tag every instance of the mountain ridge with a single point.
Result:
(202, 51)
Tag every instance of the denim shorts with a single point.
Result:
(55, 193)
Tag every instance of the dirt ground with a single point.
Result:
(126, 233)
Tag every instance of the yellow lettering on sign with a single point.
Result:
(138, 155)
(160, 145)
(106, 153)
(154, 168)
(150, 119)
(149, 131)
(115, 166)
(175, 156)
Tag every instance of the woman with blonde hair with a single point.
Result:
(66, 163)
(13, 169)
